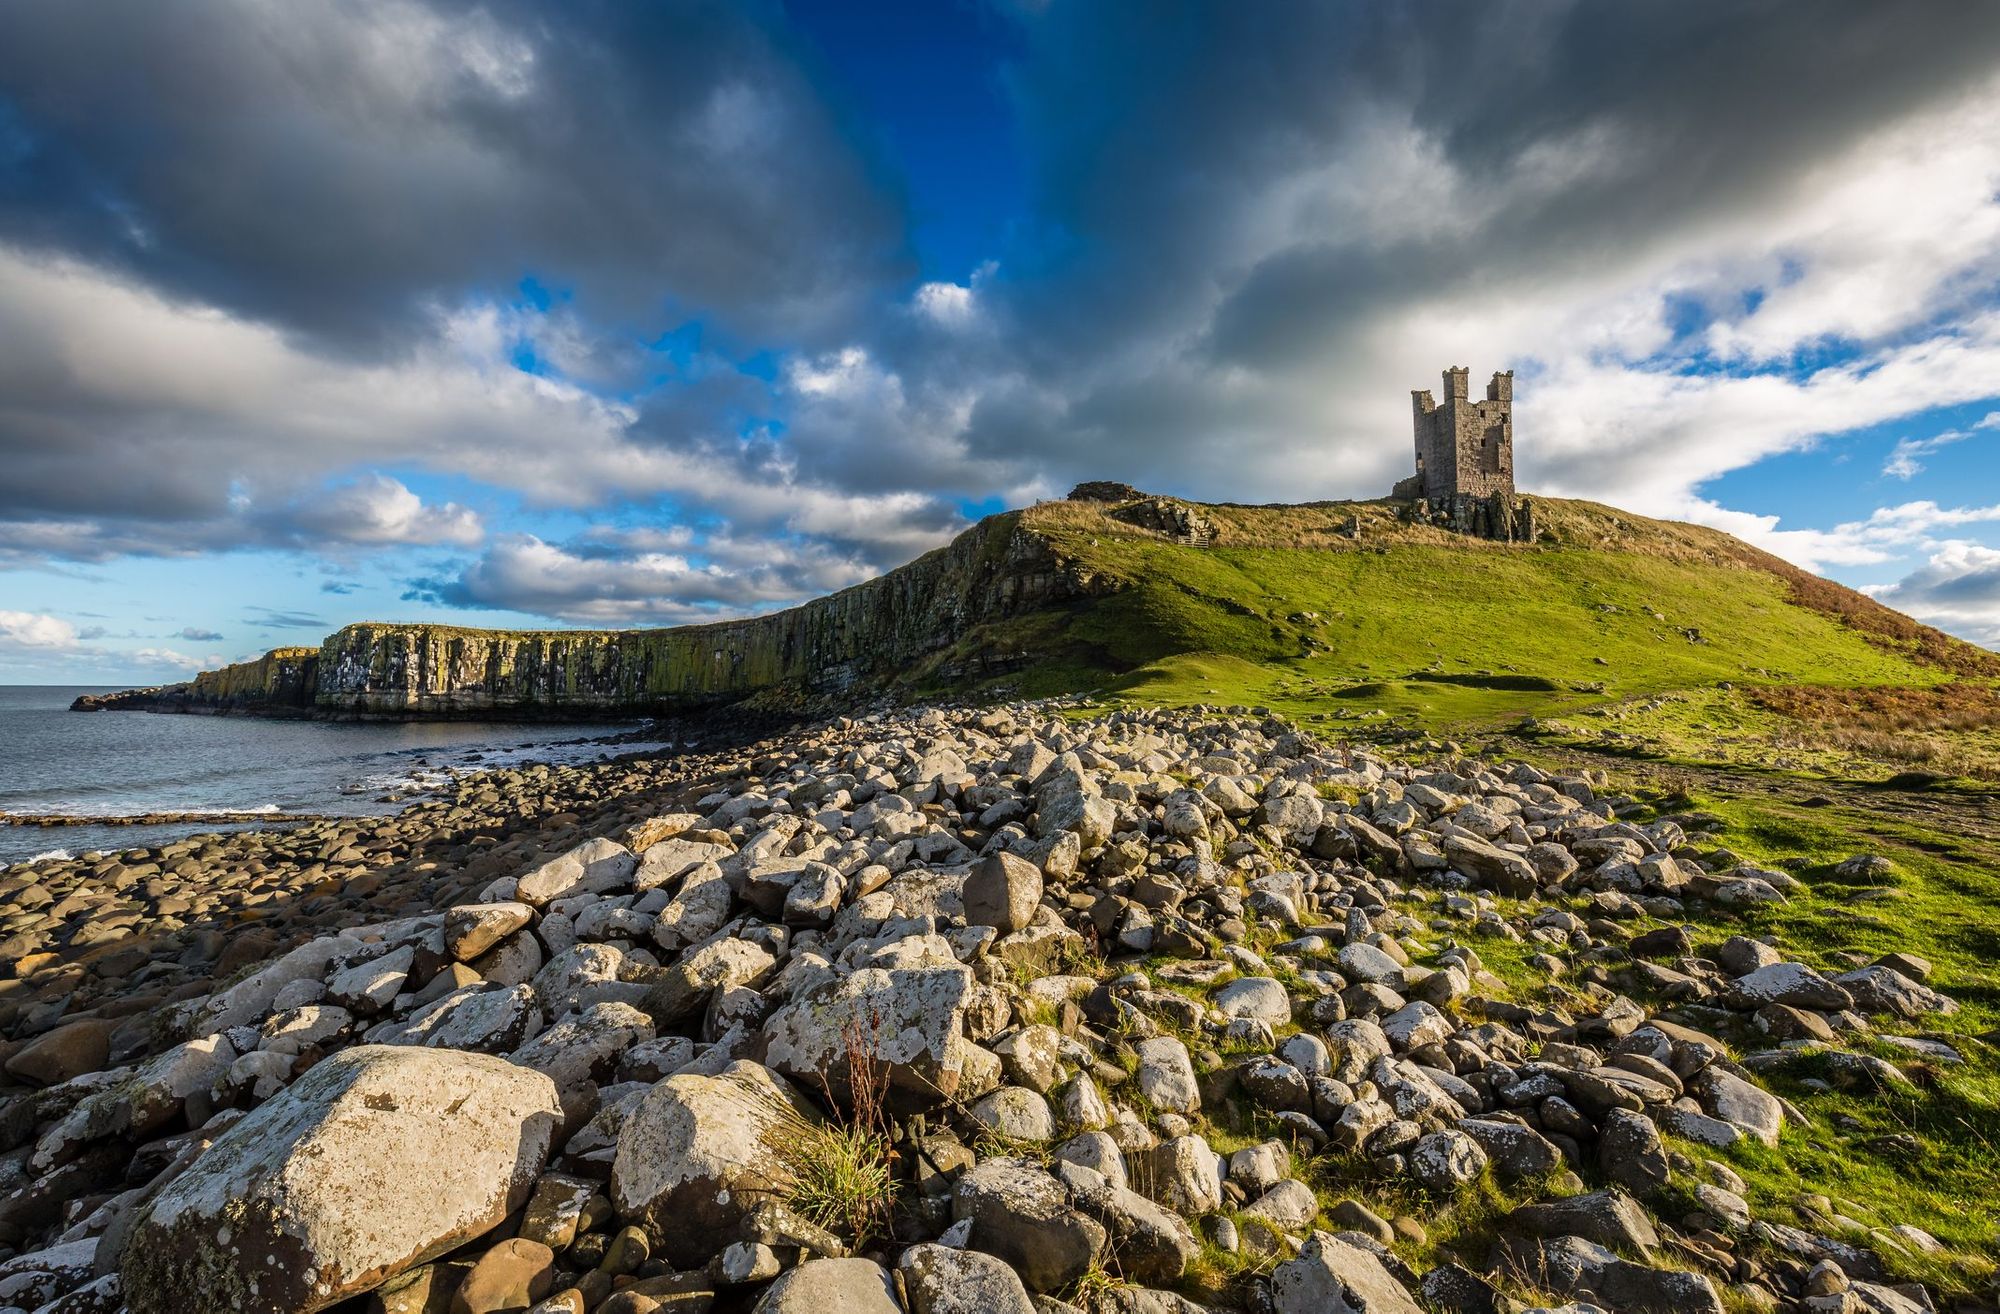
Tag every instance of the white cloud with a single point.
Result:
(669, 577)
(949, 304)
(1957, 588)
(179, 428)
(35, 630)
(171, 658)
(375, 510)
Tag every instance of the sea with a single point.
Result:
(110, 764)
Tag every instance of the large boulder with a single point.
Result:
(1002, 891)
(699, 1153)
(1332, 1276)
(375, 1161)
(912, 1027)
(595, 866)
(1022, 1215)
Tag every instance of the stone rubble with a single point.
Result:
(1119, 996)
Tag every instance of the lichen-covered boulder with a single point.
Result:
(376, 1160)
(698, 1153)
(916, 1023)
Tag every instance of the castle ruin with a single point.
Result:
(1465, 460)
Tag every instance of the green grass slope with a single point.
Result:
(1614, 629)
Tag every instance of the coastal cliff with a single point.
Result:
(912, 626)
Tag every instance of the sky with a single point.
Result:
(619, 314)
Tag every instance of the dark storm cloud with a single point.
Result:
(252, 254)
(1265, 189)
(331, 167)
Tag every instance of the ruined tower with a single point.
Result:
(1465, 458)
(1465, 446)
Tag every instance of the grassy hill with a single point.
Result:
(1802, 721)
(1612, 630)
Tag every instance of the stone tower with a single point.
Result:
(1465, 460)
(1465, 447)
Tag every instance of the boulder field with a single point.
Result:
(951, 1010)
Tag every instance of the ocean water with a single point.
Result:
(127, 763)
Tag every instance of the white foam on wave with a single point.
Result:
(51, 855)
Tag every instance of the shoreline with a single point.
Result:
(195, 817)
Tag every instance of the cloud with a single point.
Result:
(335, 170)
(138, 425)
(284, 620)
(169, 658)
(668, 577)
(375, 510)
(1351, 202)
(1902, 462)
(29, 630)
(195, 635)
(1958, 589)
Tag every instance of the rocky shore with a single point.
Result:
(935, 1011)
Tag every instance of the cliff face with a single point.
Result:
(902, 628)
(280, 683)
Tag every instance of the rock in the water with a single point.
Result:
(376, 1160)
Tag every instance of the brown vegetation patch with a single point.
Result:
(1898, 725)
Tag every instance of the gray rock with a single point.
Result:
(1182, 1173)
(1016, 1113)
(1575, 1267)
(1610, 1218)
(1445, 1162)
(1515, 1151)
(375, 1161)
(1002, 891)
(1735, 1101)
(1332, 1276)
(1631, 1154)
(1883, 989)
(698, 1153)
(1166, 1075)
(1259, 997)
(1793, 984)
(1023, 1216)
(914, 1021)
(473, 928)
(596, 866)
(940, 1280)
(821, 1286)
(1148, 1243)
